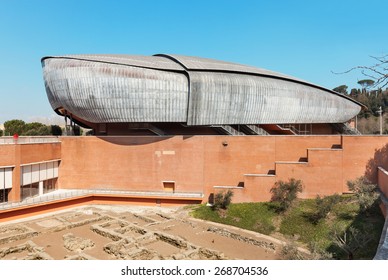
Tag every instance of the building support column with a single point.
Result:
(41, 188)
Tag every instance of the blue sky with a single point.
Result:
(305, 39)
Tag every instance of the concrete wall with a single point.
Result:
(211, 163)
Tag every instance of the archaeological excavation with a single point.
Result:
(129, 233)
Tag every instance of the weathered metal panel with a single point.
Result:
(221, 98)
(199, 63)
(151, 62)
(111, 89)
(212, 65)
(98, 92)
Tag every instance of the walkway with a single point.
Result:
(68, 194)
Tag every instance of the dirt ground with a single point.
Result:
(129, 232)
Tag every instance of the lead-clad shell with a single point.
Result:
(190, 90)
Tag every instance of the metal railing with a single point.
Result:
(29, 139)
(258, 130)
(65, 194)
(227, 129)
(345, 128)
(298, 129)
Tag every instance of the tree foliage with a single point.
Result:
(368, 118)
(35, 129)
(366, 83)
(14, 127)
(364, 191)
(372, 100)
(56, 130)
(377, 72)
(324, 206)
(373, 93)
(222, 200)
(341, 89)
(285, 193)
(290, 251)
(77, 130)
(20, 127)
(351, 240)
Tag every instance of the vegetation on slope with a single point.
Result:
(299, 223)
(368, 121)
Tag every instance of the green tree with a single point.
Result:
(33, 125)
(354, 93)
(77, 130)
(222, 200)
(324, 206)
(351, 240)
(365, 192)
(366, 83)
(341, 89)
(12, 127)
(44, 130)
(1, 132)
(285, 193)
(35, 129)
(377, 73)
(56, 130)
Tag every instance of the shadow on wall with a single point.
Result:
(133, 140)
(380, 158)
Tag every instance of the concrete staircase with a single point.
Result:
(226, 130)
(275, 129)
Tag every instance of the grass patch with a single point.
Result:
(296, 222)
(252, 216)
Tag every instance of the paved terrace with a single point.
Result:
(66, 199)
(62, 194)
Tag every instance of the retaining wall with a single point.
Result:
(249, 165)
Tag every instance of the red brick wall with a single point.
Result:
(199, 163)
(30, 153)
(363, 154)
(17, 154)
(7, 155)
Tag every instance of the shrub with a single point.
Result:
(324, 206)
(365, 192)
(222, 200)
(317, 252)
(290, 251)
(351, 240)
(284, 193)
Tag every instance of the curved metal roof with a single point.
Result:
(207, 64)
(183, 63)
(152, 62)
(196, 91)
